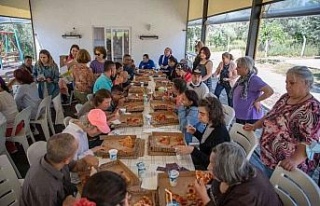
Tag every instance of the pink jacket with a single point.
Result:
(233, 76)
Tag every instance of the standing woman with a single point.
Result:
(46, 72)
(248, 92)
(196, 62)
(83, 76)
(205, 67)
(211, 114)
(227, 74)
(97, 65)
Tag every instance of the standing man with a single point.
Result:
(48, 181)
(104, 80)
(27, 65)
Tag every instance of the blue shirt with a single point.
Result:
(147, 65)
(103, 82)
(187, 116)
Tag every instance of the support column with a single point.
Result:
(204, 20)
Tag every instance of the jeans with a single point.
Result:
(219, 89)
(256, 161)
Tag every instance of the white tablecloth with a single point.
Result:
(151, 162)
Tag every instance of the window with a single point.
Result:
(115, 40)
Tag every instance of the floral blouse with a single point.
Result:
(83, 78)
(285, 126)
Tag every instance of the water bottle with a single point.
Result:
(141, 170)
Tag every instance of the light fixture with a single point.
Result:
(148, 37)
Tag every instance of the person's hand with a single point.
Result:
(69, 201)
(288, 164)
(184, 150)
(49, 80)
(91, 161)
(249, 127)
(191, 129)
(40, 79)
(200, 188)
(258, 106)
(97, 148)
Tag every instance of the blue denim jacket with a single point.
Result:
(188, 116)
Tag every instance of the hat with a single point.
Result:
(98, 118)
(196, 71)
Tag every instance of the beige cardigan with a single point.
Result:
(233, 76)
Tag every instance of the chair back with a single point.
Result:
(229, 115)
(23, 116)
(247, 140)
(78, 107)
(10, 189)
(295, 187)
(36, 151)
(3, 127)
(89, 97)
(43, 108)
(57, 105)
(9, 75)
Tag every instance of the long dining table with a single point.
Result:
(149, 181)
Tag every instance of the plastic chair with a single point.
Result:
(229, 114)
(10, 187)
(43, 117)
(66, 121)
(89, 97)
(78, 107)
(21, 137)
(3, 149)
(295, 187)
(59, 110)
(36, 151)
(247, 140)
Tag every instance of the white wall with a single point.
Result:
(168, 19)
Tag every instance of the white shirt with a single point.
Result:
(81, 136)
(8, 107)
(202, 90)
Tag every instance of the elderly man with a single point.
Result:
(196, 84)
(48, 181)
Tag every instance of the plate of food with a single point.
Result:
(164, 118)
(125, 144)
(142, 198)
(166, 141)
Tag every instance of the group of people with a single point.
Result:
(287, 129)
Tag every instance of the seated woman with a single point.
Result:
(46, 73)
(179, 87)
(185, 73)
(171, 69)
(27, 92)
(146, 63)
(100, 100)
(290, 125)
(211, 114)
(236, 182)
(104, 188)
(188, 113)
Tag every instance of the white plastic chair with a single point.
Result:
(43, 117)
(295, 187)
(89, 97)
(78, 107)
(3, 149)
(59, 110)
(229, 114)
(21, 137)
(10, 187)
(247, 140)
(36, 151)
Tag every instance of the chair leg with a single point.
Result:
(45, 129)
(22, 140)
(13, 165)
(29, 133)
(50, 122)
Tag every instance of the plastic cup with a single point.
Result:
(148, 119)
(173, 177)
(122, 110)
(113, 154)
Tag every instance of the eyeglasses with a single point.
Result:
(97, 54)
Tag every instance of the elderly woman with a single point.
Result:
(83, 76)
(227, 74)
(248, 92)
(211, 114)
(188, 113)
(290, 125)
(46, 73)
(236, 182)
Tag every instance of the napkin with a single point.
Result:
(171, 166)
